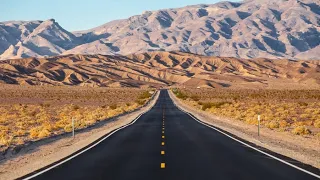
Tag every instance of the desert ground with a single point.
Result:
(31, 113)
(296, 111)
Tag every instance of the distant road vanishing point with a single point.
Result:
(166, 143)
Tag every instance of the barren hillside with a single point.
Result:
(155, 69)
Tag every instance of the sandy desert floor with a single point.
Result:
(31, 113)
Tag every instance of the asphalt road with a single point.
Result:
(167, 144)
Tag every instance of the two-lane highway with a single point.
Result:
(166, 143)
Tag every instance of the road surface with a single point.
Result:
(167, 144)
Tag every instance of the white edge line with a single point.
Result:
(88, 148)
(267, 154)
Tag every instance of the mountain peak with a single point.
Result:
(51, 20)
(250, 29)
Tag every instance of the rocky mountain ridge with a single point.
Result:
(249, 29)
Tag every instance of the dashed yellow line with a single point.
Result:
(163, 165)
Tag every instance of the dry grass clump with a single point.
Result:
(317, 123)
(301, 130)
(272, 125)
(296, 111)
(20, 123)
(180, 94)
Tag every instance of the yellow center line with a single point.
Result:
(163, 165)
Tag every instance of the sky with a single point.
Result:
(75, 15)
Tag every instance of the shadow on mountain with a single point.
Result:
(275, 44)
(314, 7)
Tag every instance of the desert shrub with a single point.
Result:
(180, 94)
(252, 121)
(6, 140)
(208, 105)
(195, 98)
(144, 95)
(113, 106)
(20, 132)
(68, 128)
(43, 133)
(75, 107)
(303, 104)
(140, 101)
(19, 141)
(283, 124)
(301, 130)
(34, 132)
(317, 123)
(104, 106)
(45, 105)
(32, 113)
(273, 125)
(304, 116)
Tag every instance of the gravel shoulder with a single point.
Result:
(302, 148)
(45, 152)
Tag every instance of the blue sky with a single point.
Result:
(82, 14)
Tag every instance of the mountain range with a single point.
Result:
(250, 29)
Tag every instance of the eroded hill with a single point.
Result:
(160, 69)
